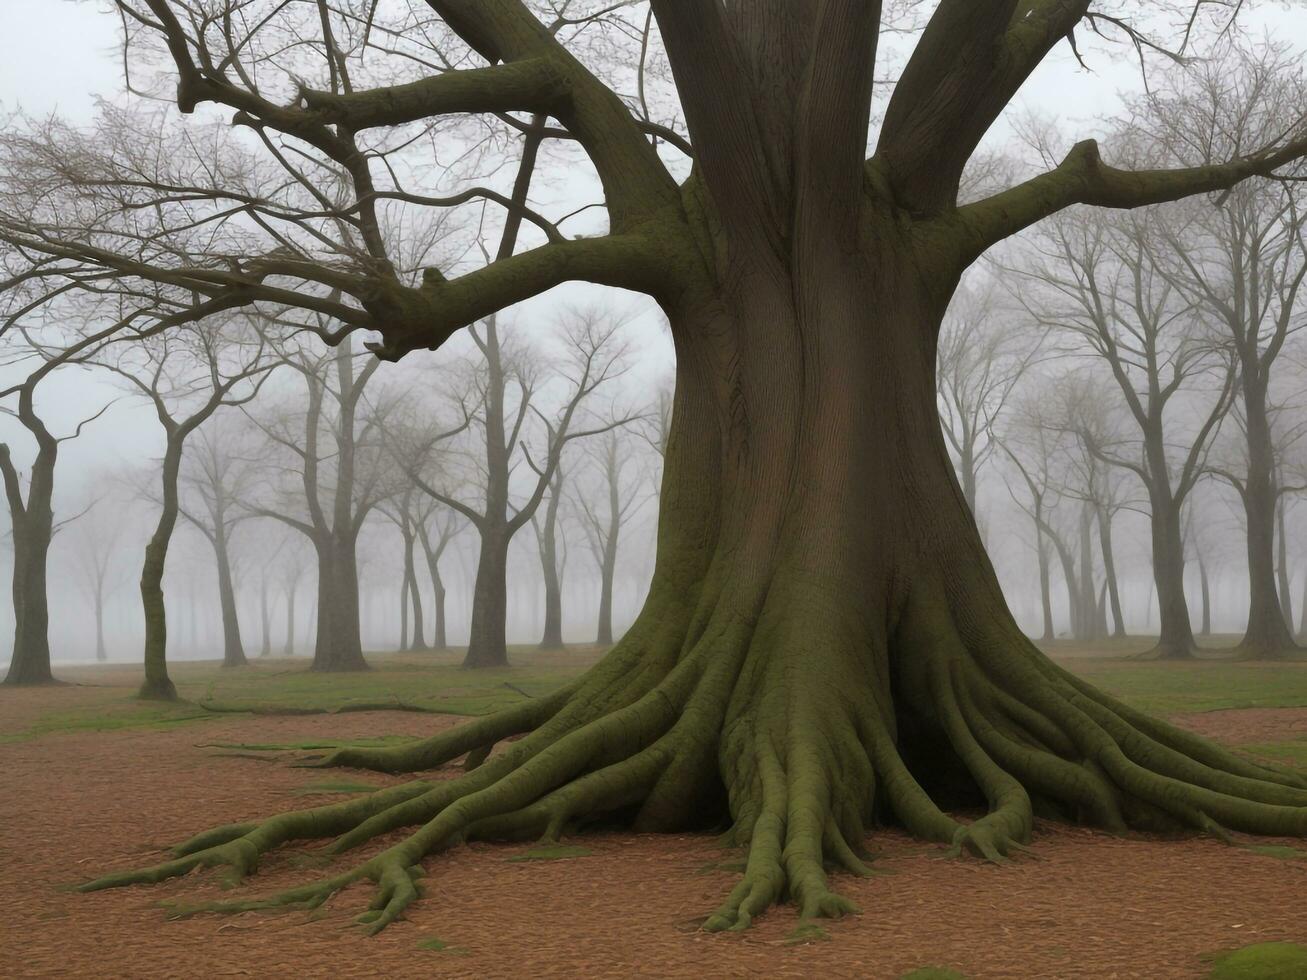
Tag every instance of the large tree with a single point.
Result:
(824, 643)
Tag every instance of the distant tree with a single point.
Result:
(325, 494)
(185, 375)
(605, 510)
(1097, 282)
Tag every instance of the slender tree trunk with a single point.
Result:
(419, 641)
(101, 653)
(1205, 584)
(403, 611)
(1091, 623)
(265, 618)
(1282, 566)
(157, 684)
(1302, 612)
(289, 649)
(233, 648)
(439, 641)
(1109, 571)
(552, 634)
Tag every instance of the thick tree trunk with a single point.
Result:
(487, 642)
(1175, 638)
(233, 649)
(32, 524)
(338, 644)
(1267, 635)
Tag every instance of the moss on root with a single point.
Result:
(800, 735)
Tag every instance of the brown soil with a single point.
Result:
(1087, 905)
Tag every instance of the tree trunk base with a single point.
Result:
(163, 690)
(799, 740)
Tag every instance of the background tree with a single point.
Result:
(604, 511)
(185, 375)
(1104, 290)
(217, 477)
(1242, 258)
(326, 497)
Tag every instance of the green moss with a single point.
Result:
(552, 852)
(1263, 961)
(933, 973)
(440, 946)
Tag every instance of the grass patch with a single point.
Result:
(1178, 688)
(552, 852)
(1263, 961)
(933, 973)
(1292, 752)
(108, 717)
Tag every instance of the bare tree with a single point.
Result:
(620, 491)
(1101, 287)
(331, 499)
(552, 563)
(186, 375)
(983, 353)
(595, 358)
(217, 476)
(1242, 258)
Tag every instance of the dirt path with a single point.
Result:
(1088, 906)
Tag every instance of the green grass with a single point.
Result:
(440, 946)
(1263, 961)
(1176, 688)
(933, 973)
(102, 697)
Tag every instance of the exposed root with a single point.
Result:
(801, 759)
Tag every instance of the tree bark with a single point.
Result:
(233, 649)
(1268, 634)
(265, 618)
(289, 649)
(1282, 567)
(157, 684)
(487, 640)
(338, 645)
(551, 636)
(1205, 585)
(1109, 571)
(32, 523)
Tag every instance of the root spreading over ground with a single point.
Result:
(796, 744)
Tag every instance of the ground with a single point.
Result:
(91, 780)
